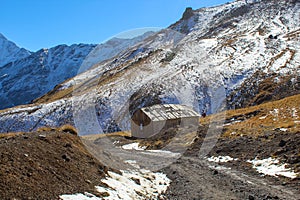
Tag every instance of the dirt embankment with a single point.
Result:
(44, 165)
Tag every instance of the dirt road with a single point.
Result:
(197, 178)
(194, 178)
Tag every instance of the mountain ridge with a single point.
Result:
(218, 50)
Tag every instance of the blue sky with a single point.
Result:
(36, 24)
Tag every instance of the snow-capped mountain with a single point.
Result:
(9, 51)
(201, 60)
(26, 78)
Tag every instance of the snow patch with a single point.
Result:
(116, 142)
(272, 167)
(133, 146)
(263, 117)
(146, 185)
(275, 114)
(165, 153)
(85, 196)
(283, 129)
(294, 113)
(132, 163)
(138, 184)
(281, 61)
(221, 159)
(233, 122)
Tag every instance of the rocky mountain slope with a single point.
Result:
(208, 56)
(25, 77)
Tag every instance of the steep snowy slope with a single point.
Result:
(110, 49)
(25, 79)
(9, 51)
(199, 61)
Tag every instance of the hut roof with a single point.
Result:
(169, 111)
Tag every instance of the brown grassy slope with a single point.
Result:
(256, 120)
(260, 132)
(44, 165)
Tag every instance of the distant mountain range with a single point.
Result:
(245, 52)
(28, 75)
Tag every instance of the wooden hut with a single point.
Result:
(149, 121)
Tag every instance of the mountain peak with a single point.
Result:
(2, 36)
(10, 51)
(188, 13)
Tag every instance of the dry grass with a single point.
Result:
(45, 128)
(67, 128)
(115, 134)
(10, 135)
(54, 95)
(259, 119)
